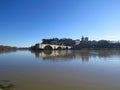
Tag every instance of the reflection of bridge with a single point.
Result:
(53, 54)
(63, 54)
(84, 55)
(52, 47)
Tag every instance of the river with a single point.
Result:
(61, 70)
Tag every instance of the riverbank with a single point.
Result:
(4, 49)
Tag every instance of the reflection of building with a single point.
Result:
(64, 55)
(83, 55)
(53, 54)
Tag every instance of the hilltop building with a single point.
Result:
(77, 42)
(84, 39)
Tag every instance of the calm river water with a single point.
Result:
(61, 70)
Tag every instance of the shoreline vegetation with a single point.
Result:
(5, 49)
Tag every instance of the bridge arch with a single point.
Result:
(66, 48)
(48, 47)
(52, 47)
(59, 48)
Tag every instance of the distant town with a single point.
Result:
(67, 43)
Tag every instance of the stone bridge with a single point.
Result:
(52, 47)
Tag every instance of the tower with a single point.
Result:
(82, 39)
(86, 39)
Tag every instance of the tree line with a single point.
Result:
(6, 49)
(56, 41)
(98, 45)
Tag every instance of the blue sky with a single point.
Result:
(26, 22)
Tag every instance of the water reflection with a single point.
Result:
(4, 52)
(84, 55)
(26, 72)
